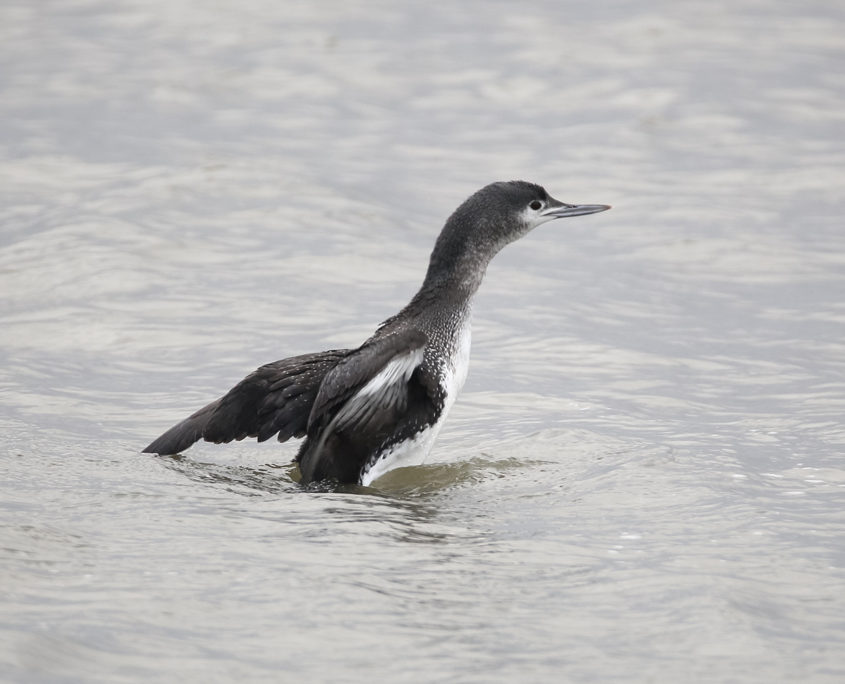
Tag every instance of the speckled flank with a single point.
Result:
(451, 374)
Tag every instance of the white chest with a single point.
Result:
(455, 374)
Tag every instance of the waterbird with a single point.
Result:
(366, 411)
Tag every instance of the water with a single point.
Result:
(643, 480)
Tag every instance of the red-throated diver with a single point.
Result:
(368, 410)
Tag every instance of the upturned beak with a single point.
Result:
(558, 209)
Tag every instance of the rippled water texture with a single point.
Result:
(644, 480)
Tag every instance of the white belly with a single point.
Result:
(411, 453)
(415, 451)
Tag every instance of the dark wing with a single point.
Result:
(378, 363)
(364, 400)
(276, 398)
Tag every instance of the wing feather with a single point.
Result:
(362, 400)
(275, 398)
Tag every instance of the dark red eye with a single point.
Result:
(536, 205)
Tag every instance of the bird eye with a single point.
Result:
(536, 205)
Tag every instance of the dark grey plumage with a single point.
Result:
(275, 398)
(363, 411)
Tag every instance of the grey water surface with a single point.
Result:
(644, 479)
